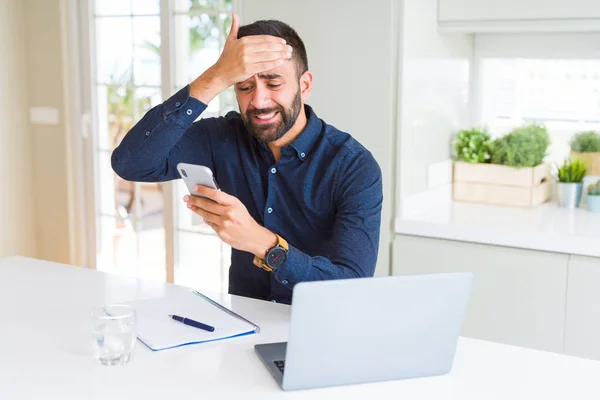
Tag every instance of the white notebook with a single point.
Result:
(159, 332)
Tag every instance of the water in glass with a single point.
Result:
(113, 334)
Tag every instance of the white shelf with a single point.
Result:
(546, 228)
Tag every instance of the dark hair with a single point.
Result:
(284, 31)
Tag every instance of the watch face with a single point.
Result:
(276, 257)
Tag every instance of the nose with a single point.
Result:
(261, 97)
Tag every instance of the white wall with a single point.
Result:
(45, 72)
(17, 234)
(434, 100)
(352, 52)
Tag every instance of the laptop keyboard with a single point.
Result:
(280, 364)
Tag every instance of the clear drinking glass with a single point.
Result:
(113, 333)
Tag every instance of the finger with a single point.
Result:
(203, 203)
(255, 39)
(268, 47)
(215, 195)
(235, 27)
(269, 56)
(213, 226)
(209, 205)
(268, 65)
(206, 216)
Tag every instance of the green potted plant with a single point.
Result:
(570, 183)
(508, 171)
(586, 147)
(525, 146)
(593, 197)
(472, 145)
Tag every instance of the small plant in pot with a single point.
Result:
(508, 171)
(523, 147)
(593, 197)
(586, 142)
(570, 183)
(472, 145)
(586, 147)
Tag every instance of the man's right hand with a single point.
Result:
(240, 59)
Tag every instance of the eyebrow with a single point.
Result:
(269, 76)
(263, 75)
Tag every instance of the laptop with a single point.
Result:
(353, 331)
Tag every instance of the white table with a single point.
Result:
(46, 353)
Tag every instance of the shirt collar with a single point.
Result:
(304, 143)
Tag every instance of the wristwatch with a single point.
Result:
(275, 257)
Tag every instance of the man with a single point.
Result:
(299, 200)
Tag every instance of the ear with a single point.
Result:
(306, 85)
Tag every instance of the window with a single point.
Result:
(200, 30)
(130, 216)
(558, 89)
(129, 69)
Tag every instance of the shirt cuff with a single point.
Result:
(295, 269)
(183, 108)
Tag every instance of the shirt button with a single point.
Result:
(177, 104)
(273, 170)
(269, 210)
(147, 133)
(302, 155)
(189, 112)
(284, 282)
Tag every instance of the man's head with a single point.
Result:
(270, 102)
(281, 30)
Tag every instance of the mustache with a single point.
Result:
(259, 111)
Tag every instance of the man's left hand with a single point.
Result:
(230, 219)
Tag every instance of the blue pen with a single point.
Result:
(191, 322)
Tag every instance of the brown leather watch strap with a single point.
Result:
(260, 263)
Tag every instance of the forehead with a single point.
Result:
(286, 71)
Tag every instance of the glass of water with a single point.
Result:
(113, 333)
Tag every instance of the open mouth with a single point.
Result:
(262, 119)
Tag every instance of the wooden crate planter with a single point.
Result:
(591, 161)
(498, 184)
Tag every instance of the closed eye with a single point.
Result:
(274, 86)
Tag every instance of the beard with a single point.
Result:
(285, 119)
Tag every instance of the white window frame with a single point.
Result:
(569, 46)
(78, 59)
(551, 46)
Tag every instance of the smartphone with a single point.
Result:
(194, 175)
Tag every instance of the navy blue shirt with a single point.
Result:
(323, 196)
